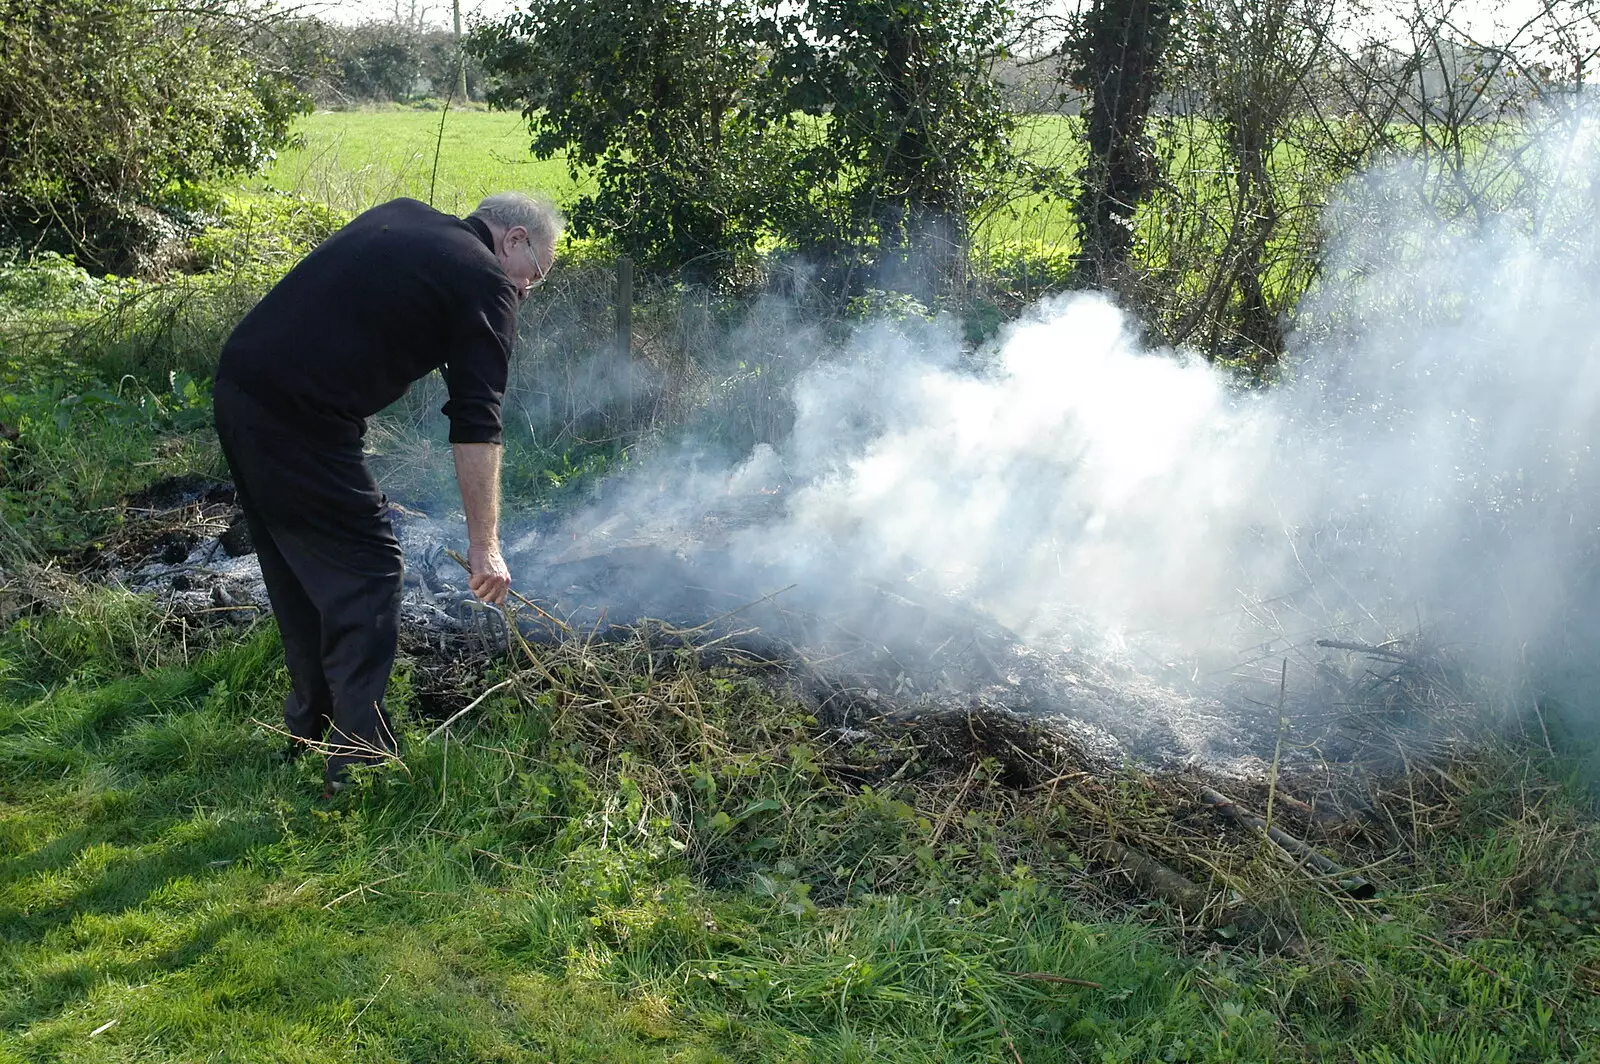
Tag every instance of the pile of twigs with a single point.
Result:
(1216, 856)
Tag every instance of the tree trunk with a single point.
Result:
(922, 232)
(461, 57)
(1116, 60)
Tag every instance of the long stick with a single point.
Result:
(1352, 884)
(1366, 648)
(1155, 877)
(1277, 747)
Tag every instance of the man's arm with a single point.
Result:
(478, 473)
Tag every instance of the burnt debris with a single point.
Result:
(868, 652)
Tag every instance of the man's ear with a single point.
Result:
(517, 231)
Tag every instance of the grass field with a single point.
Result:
(170, 890)
(609, 863)
(354, 159)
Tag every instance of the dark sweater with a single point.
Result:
(402, 290)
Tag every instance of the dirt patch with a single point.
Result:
(173, 493)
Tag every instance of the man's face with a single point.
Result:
(524, 263)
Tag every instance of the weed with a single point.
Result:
(263, 234)
(77, 446)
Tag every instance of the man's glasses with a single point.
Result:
(537, 281)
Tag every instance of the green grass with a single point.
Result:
(163, 870)
(352, 160)
(520, 894)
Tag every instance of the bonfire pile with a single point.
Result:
(1317, 764)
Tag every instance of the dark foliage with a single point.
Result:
(1116, 58)
(109, 108)
(862, 133)
(652, 96)
(914, 132)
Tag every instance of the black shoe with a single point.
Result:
(295, 751)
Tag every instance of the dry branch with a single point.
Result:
(464, 710)
(1352, 884)
(1155, 878)
(1386, 652)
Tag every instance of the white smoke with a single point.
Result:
(1430, 461)
(1073, 470)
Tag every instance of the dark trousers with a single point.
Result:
(332, 568)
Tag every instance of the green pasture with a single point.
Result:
(352, 160)
(1029, 220)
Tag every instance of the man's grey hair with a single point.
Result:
(536, 214)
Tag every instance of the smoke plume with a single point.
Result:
(1428, 461)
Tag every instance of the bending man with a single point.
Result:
(400, 291)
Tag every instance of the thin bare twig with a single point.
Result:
(468, 708)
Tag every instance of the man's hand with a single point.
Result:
(478, 472)
(490, 579)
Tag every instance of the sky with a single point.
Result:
(1483, 19)
(436, 12)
